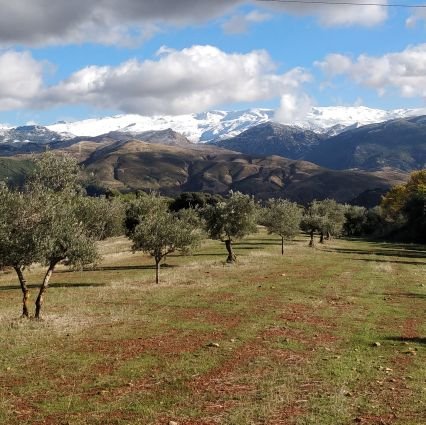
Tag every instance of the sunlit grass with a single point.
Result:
(296, 338)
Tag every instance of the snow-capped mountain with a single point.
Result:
(219, 125)
(207, 126)
(203, 127)
(4, 129)
(335, 119)
(31, 133)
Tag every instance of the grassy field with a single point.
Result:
(328, 336)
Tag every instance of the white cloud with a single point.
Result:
(334, 64)
(41, 22)
(404, 71)
(293, 107)
(239, 24)
(190, 80)
(21, 79)
(177, 81)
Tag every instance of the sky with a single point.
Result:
(71, 60)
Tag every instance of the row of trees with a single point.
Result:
(51, 220)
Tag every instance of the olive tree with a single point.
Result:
(326, 217)
(159, 232)
(20, 234)
(233, 218)
(66, 240)
(282, 218)
(50, 222)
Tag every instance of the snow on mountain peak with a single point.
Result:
(200, 127)
(217, 124)
(337, 118)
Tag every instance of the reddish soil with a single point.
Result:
(223, 387)
(171, 343)
(206, 315)
(392, 390)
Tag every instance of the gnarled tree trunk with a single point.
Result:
(43, 289)
(282, 245)
(321, 237)
(231, 256)
(157, 270)
(312, 242)
(25, 291)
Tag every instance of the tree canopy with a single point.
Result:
(233, 218)
(326, 217)
(282, 218)
(50, 221)
(160, 232)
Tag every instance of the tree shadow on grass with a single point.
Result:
(53, 285)
(408, 253)
(415, 340)
(206, 254)
(117, 268)
(238, 247)
(259, 242)
(415, 263)
(405, 295)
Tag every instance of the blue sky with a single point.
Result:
(74, 60)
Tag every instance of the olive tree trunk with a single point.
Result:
(231, 256)
(312, 242)
(25, 291)
(157, 270)
(43, 289)
(321, 237)
(282, 245)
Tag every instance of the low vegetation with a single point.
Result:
(332, 335)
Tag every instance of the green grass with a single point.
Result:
(296, 338)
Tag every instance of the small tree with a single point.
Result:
(326, 217)
(333, 219)
(312, 221)
(283, 218)
(231, 219)
(160, 232)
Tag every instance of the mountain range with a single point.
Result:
(398, 144)
(210, 126)
(329, 154)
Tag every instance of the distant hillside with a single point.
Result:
(131, 165)
(272, 138)
(398, 144)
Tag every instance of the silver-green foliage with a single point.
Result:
(160, 232)
(50, 222)
(231, 219)
(326, 217)
(283, 218)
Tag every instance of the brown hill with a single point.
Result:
(132, 165)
